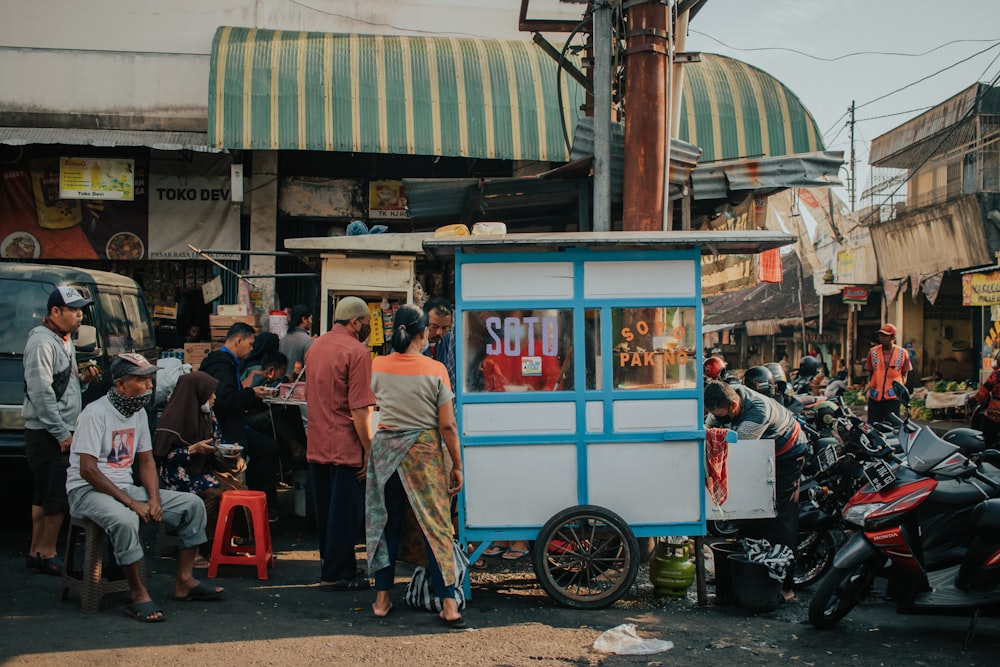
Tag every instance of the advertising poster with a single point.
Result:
(170, 201)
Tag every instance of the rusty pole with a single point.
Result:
(646, 104)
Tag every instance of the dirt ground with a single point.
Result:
(287, 620)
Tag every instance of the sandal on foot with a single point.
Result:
(32, 562)
(201, 593)
(494, 550)
(377, 615)
(515, 554)
(356, 584)
(144, 612)
(53, 566)
(479, 564)
(455, 624)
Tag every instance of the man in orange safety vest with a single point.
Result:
(886, 363)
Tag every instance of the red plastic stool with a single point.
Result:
(224, 552)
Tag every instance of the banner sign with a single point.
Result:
(96, 178)
(170, 202)
(981, 289)
(855, 295)
(386, 200)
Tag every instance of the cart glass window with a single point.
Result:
(654, 348)
(518, 350)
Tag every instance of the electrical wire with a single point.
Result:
(559, 69)
(846, 55)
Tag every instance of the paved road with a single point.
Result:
(287, 620)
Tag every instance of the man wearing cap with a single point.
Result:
(339, 400)
(101, 488)
(52, 402)
(886, 363)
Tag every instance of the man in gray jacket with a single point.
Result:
(298, 339)
(52, 402)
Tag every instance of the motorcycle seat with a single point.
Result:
(962, 492)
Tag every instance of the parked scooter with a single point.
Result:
(936, 519)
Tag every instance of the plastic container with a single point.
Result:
(753, 588)
(721, 551)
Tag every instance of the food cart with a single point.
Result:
(580, 396)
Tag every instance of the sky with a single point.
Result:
(830, 29)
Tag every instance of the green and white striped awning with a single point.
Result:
(283, 90)
(734, 111)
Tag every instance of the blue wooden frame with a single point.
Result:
(580, 396)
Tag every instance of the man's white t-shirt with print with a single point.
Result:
(112, 439)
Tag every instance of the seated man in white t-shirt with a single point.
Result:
(100, 486)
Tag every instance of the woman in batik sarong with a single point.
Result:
(407, 477)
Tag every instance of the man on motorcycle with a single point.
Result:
(886, 363)
(756, 417)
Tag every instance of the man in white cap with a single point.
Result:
(101, 488)
(339, 399)
(52, 402)
(886, 363)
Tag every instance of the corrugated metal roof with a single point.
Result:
(766, 303)
(732, 110)
(716, 181)
(886, 149)
(164, 141)
(494, 99)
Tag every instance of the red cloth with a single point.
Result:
(770, 266)
(716, 455)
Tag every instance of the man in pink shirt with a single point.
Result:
(340, 399)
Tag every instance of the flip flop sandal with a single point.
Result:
(201, 593)
(52, 566)
(455, 624)
(515, 554)
(32, 562)
(493, 551)
(143, 612)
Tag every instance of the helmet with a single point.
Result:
(809, 366)
(780, 379)
(825, 413)
(760, 380)
(714, 367)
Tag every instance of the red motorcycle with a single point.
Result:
(932, 525)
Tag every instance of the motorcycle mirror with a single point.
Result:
(902, 392)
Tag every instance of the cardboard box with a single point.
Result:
(195, 353)
(165, 312)
(226, 321)
(232, 309)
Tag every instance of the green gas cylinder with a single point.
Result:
(671, 570)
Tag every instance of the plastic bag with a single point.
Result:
(171, 369)
(623, 640)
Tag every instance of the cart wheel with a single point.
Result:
(586, 557)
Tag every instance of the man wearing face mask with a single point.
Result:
(101, 488)
(339, 399)
(756, 417)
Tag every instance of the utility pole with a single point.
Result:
(853, 181)
(602, 115)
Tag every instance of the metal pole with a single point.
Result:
(602, 115)
(668, 112)
(853, 175)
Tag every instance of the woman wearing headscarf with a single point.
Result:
(183, 446)
(406, 465)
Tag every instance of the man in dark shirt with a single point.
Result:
(756, 417)
(233, 400)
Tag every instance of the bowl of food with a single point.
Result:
(20, 245)
(125, 245)
(229, 450)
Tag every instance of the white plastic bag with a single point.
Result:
(171, 369)
(623, 640)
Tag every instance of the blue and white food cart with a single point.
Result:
(580, 395)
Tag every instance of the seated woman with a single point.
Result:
(406, 465)
(183, 447)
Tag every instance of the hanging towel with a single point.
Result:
(777, 558)
(716, 455)
(769, 270)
